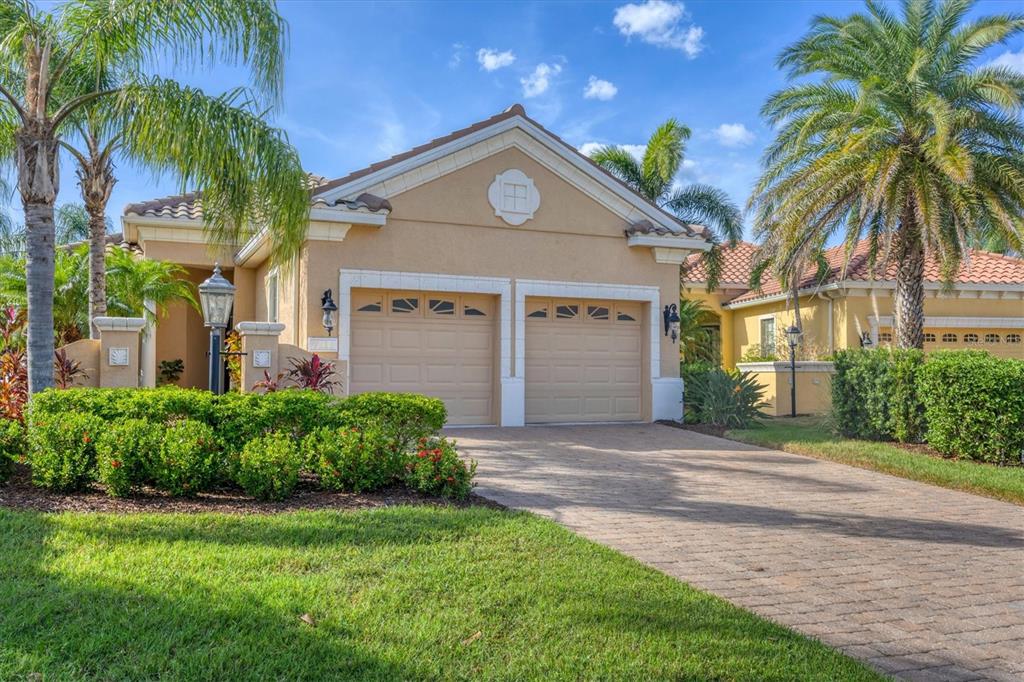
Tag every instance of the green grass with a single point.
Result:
(396, 594)
(813, 436)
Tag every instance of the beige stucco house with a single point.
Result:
(496, 268)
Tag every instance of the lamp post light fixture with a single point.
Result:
(216, 296)
(793, 334)
(671, 316)
(329, 308)
(865, 340)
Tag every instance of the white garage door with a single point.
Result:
(437, 344)
(583, 361)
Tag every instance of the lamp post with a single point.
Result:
(793, 336)
(216, 295)
(329, 308)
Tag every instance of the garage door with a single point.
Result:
(438, 344)
(583, 361)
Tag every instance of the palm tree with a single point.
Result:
(92, 61)
(695, 341)
(654, 177)
(900, 140)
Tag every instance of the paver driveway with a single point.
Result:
(922, 582)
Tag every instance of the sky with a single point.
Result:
(367, 80)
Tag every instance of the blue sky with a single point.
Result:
(365, 81)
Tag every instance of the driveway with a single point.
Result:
(921, 582)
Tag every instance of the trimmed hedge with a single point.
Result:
(974, 404)
(62, 450)
(875, 394)
(268, 467)
(125, 455)
(12, 446)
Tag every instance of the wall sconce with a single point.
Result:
(671, 316)
(327, 305)
(865, 340)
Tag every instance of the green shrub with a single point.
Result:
(268, 466)
(165, 404)
(63, 450)
(189, 460)
(241, 417)
(125, 453)
(353, 459)
(12, 446)
(403, 417)
(875, 394)
(722, 398)
(974, 405)
(437, 469)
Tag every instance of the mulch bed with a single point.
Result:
(706, 429)
(19, 493)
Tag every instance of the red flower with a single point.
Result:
(85, 437)
(116, 464)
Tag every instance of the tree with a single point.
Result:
(696, 343)
(89, 62)
(901, 139)
(654, 177)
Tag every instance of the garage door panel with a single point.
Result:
(582, 369)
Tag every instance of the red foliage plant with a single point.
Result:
(314, 373)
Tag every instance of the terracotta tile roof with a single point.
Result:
(190, 206)
(981, 267)
(736, 266)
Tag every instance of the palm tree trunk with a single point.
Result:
(39, 285)
(96, 180)
(909, 299)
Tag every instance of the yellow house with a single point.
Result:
(849, 306)
(495, 268)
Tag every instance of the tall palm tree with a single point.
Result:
(900, 139)
(654, 177)
(88, 56)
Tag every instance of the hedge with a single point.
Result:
(875, 394)
(974, 404)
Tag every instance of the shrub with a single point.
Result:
(240, 417)
(974, 405)
(12, 446)
(125, 454)
(352, 459)
(437, 469)
(63, 450)
(875, 394)
(268, 467)
(189, 460)
(723, 398)
(403, 417)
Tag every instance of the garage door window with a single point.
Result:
(441, 306)
(366, 303)
(567, 312)
(598, 312)
(537, 311)
(627, 313)
(405, 305)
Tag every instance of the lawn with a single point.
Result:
(814, 437)
(391, 594)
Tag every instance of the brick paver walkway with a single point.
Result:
(921, 582)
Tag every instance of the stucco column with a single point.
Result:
(728, 348)
(260, 342)
(147, 350)
(119, 351)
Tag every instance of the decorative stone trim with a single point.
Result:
(783, 366)
(260, 328)
(119, 324)
(518, 208)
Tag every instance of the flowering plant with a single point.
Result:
(435, 468)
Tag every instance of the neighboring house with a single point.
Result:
(984, 307)
(496, 268)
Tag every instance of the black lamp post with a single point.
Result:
(793, 336)
(329, 308)
(216, 295)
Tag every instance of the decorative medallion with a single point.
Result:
(513, 196)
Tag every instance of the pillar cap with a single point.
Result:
(259, 328)
(119, 324)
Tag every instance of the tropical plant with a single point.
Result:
(695, 342)
(901, 140)
(313, 373)
(13, 384)
(170, 371)
(654, 177)
(721, 398)
(87, 66)
(233, 362)
(66, 370)
(12, 328)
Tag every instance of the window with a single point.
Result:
(885, 337)
(514, 197)
(627, 312)
(992, 338)
(768, 336)
(567, 312)
(1013, 338)
(929, 337)
(272, 297)
(405, 305)
(441, 306)
(949, 338)
(369, 308)
(970, 338)
(471, 311)
(540, 313)
(624, 317)
(598, 312)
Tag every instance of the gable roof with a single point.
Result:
(981, 267)
(668, 223)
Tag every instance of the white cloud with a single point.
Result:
(538, 82)
(492, 60)
(456, 59)
(599, 89)
(1009, 60)
(733, 135)
(635, 150)
(660, 23)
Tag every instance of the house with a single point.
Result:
(850, 303)
(496, 268)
